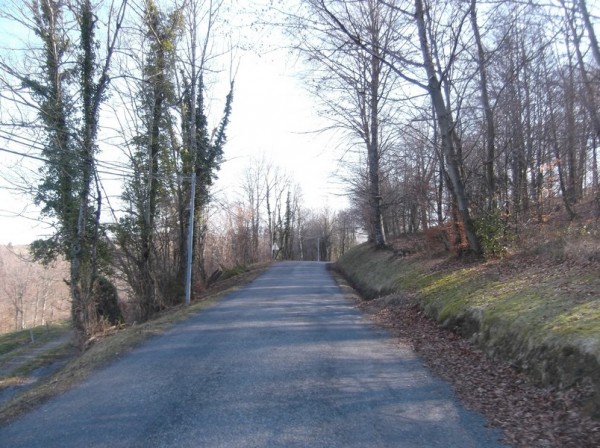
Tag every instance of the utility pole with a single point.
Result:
(188, 274)
(318, 248)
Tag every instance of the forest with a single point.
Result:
(460, 120)
(475, 115)
(35, 295)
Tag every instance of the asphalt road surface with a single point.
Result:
(285, 362)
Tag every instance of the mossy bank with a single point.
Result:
(544, 319)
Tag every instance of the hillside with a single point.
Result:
(31, 294)
(535, 310)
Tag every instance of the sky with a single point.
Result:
(273, 117)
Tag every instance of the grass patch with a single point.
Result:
(11, 381)
(233, 272)
(10, 342)
(45, 358)
(376, 272)
(562, 301)
(580, 320)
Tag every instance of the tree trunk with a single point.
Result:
(157, 81)
(448, 132)
(488, 114)
(589, 97)
(80, 269)
(373, 146)
(83, 246)
(595, 182)
(590, 30)
(571, 181)
(558, 155)
(193, 143)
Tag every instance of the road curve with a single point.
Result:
(284, 362)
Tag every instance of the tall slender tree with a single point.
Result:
(148, 187)
(354, 84)
(66, 82)
(490, 137)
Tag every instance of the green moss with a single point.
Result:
(446, 282)
(524, 301)
(451, 309)
(453, 294)
(582, 320)
(375, 272)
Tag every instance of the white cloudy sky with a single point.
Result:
(273, 116)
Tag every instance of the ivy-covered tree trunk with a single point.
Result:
(57, 191)
(71, 122)
(203, 159)
(161, 36)
(146, 262)
(85, 239)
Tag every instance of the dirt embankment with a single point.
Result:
(538, 318)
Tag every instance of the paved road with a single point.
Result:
(285, 362)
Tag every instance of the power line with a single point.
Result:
(121, 175)
(21, 139)
(22, 154)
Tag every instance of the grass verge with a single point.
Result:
(542, 317)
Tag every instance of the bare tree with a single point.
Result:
(449, 136)
(590, 30)
(490, 153)
(353, 83)
(15, 287)
(254, 188)
(29, 290)
(403, 64)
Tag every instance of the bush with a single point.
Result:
(492, 232)
(106, 300)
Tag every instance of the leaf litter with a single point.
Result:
(528, 415)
